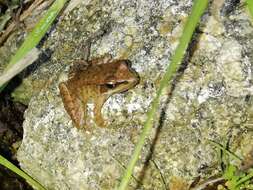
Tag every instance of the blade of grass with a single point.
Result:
(225, 150)
(249, 4)
(29, 179)
(197, 10)
(37, 33)
(244, 179)
(27, 60)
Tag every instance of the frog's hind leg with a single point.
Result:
(72, 105)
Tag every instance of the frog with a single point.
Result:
(95, 80)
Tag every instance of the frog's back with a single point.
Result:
(94, 74)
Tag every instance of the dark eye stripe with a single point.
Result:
(111, 86)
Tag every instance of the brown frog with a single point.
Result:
(96, 80)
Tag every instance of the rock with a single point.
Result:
(212, 99)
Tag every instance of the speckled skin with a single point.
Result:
(95, 80)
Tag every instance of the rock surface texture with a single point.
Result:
(212, 98)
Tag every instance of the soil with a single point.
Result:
(11, 133)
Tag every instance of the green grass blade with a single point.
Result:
(2, 87)
(197, 10)
(249, 4)
(244, 179)
(28, 59)
(22, 174)
(37, 33)
(233, 155)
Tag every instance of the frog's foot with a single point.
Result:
(72, 105)
(106, 58)
(86, 127)
(100, 122)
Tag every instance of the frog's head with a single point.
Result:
(123, 75)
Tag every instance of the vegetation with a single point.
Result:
(249, 4)
(197, 10)
(22, 174)
(16, 64)
(235, 179)
(199, 7)
(35, 36)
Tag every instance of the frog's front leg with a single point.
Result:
(72, 105)
(99, 102)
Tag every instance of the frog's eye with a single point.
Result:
(110, 86)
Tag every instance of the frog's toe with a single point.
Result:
(101, 123)
(87, 128)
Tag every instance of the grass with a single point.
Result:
(236, 179)
(39, 31)
(36, 35)
(27, 60)
(19, 61)
(22, 174)
(231, 154)
(199, 7)
(249, 4)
